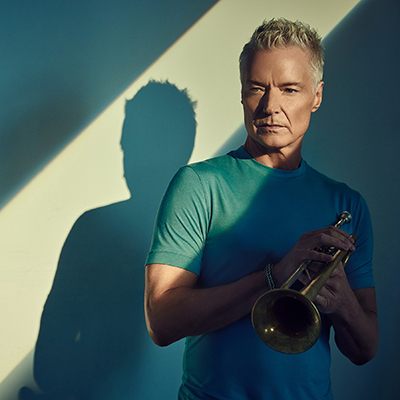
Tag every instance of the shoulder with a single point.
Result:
(342, 197)
(318, 178)
(215, 165)
(209, 172)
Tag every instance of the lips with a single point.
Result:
(268, 125)
(272, 127)
(265, 123)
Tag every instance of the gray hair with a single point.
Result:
(278, 33)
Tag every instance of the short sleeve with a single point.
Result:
(359, 268)
(182, 223)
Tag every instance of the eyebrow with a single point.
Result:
(252, 82)
(291, 84)
(295, 84)
(284, 84)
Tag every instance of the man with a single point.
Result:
(233, 227)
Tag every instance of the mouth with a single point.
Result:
(270, 126)
(267, 121)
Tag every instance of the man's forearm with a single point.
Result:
(188, 311)
(356, 330)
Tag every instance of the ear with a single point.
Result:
(318, 97)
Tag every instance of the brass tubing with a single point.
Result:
(287, 320)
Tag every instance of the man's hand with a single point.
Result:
(308, 248)
(353, 313)
(336, 294)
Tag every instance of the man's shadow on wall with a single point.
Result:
(92, 328)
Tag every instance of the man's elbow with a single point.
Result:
(159, 336)
(365, 356)
(159, 333)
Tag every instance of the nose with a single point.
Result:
(271, 102)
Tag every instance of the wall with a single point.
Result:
(68, 71)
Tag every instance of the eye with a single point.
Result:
(290, 90)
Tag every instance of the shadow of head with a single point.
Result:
(158, 133)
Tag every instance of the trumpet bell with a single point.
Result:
(286, 321)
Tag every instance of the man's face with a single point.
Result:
(278, 98)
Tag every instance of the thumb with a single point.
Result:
(320, 302)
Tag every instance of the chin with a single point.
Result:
(272, 141)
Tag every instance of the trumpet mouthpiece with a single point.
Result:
(345, 218)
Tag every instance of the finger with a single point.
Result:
(328, 237)
(321, 302)
(315, 268)
(338, 239)
(318, 257)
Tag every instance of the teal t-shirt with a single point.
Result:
(227, 217)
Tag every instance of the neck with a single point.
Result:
(284, 159)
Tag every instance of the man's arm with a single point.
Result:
(175, 308)
(354, 316)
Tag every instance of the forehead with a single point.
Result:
(290, 63)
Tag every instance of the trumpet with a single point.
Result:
(287, 320)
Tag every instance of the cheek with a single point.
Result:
(247, 111)
(248, 120)
(300, 116)
(250, 109)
